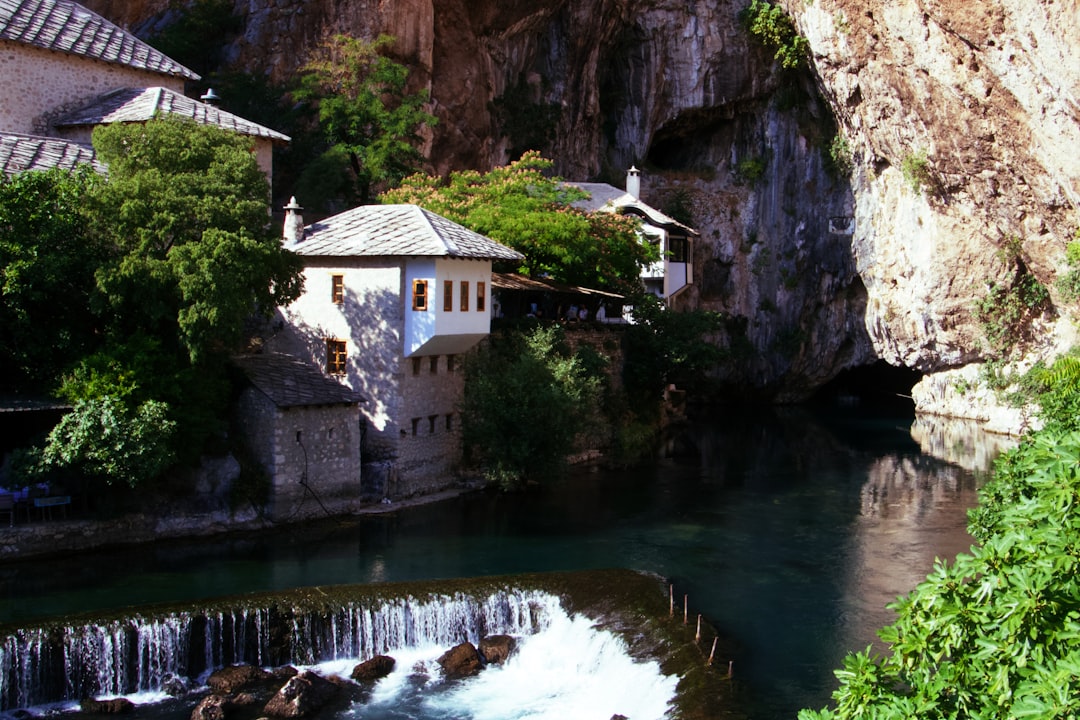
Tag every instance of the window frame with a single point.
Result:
(337, 289)
(337, 356)
(420, 295)
(464, 296)
(448, 296)
(481, 296)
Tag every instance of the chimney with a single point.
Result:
(294, 222)
(210, 97)
(633, 183)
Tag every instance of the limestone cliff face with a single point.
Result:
(816, 271)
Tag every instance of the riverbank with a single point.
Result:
(42, 538)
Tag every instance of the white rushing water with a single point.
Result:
(563, 668)
(570, 670)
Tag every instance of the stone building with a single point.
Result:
(394, 295)
(64, 69)
(303, 430)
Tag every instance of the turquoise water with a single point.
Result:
(789, 531)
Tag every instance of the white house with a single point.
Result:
(674, 272)
(64, 68)
(394, 294)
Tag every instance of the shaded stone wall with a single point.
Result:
(311, 455)
(38, 84)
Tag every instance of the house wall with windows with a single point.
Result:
(410, 375)
(39, 84)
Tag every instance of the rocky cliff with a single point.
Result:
(817, 269)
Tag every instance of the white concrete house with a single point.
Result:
(394, 295)
(64, 69)
(674, 272)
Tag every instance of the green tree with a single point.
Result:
(664, 347)
(47, 264)
(185, 205)
(106, 439)
(523, 207)
(366, 112)
(525, 399)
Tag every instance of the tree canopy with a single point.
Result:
(522, 206)
(371, 122)
(47, 264)
(145, 281)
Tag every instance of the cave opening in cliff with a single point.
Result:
(878, 386)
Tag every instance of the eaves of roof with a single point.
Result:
(21, 153)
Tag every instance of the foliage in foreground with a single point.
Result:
(996, 634)
(525, 399)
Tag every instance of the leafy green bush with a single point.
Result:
(771, 26)
(105, 439)
(915, 167)
(996, 634)
(526, 397)
(752, 169)
(1068, 283)
(1005, 313)
(840, 162)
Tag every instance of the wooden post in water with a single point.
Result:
(671, 600)
(685, 610)
(730, 668)
(697, 635)
(712, 652)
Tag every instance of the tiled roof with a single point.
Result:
(68, 27)
(290, 382)
(29, 152)
(141, 104)
(610, 199)
(396, 231)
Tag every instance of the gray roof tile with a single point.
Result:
(290, 382)
(141, 104)
(397, 231)
(68, 27)
(19, 153)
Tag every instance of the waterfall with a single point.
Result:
(142, 653)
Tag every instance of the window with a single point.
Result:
(337, 289)
(678, 247)
(481, 296)
(335, 357)
(415, 425)
(434, 364)
(449, 423)
(419, 295)
(416, 365)
(448, 295)
(464, 295)
(450, 363)
(431, 424)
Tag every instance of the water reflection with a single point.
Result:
(790, 530)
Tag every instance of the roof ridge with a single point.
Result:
(435, 227)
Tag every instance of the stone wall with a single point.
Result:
(37, 85)
(311, 455)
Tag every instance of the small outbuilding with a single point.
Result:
(302, 430)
